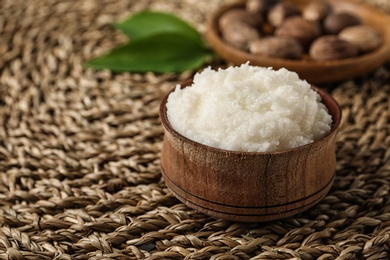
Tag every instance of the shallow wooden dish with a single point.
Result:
(313, 71)
(249, 186)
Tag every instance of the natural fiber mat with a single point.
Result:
(79, 153)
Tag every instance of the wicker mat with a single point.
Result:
(79, 153)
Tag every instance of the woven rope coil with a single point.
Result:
(79, 153)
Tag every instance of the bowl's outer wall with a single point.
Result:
(249, 186)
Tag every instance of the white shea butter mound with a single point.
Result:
(248, 108)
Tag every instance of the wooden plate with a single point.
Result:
(313, 71)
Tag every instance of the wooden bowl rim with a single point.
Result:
(381, 54)
(336, 121)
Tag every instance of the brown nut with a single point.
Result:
(330, 47)
(239, 34)
(259, 7)
(279, 12)
(302, 30)
(277, 47)
(335, 22)
(239, 16)
(363, 36)
(238, 27)
(316, 10)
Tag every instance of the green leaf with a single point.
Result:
(162, 52)
(147, 23)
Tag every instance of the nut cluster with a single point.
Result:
(281, 29)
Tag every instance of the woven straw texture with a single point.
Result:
(79, 152)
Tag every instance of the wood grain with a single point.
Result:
(314, 72)
(249, 186)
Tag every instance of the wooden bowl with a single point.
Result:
(249, 186)
(314, 72)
